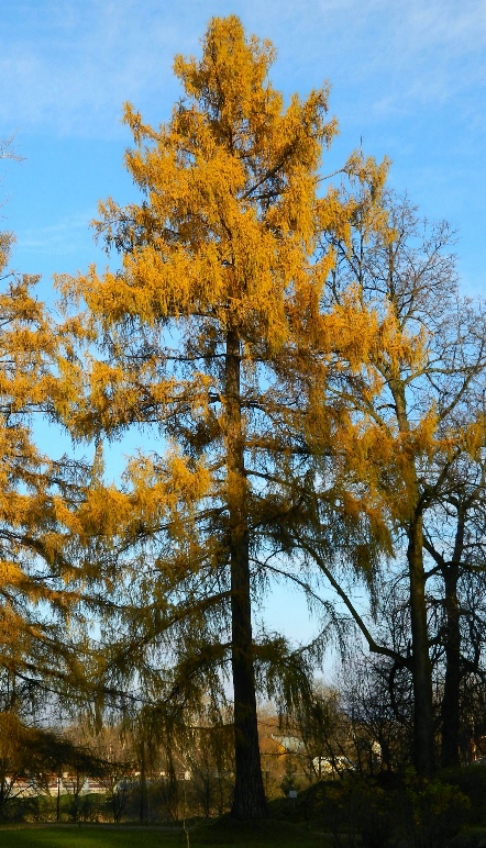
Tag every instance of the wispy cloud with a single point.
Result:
(66, 67)
(69, 66)
(59, 238)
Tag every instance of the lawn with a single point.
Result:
(270, 834)
(85, 837)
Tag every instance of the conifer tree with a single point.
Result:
(42, 508)
(39, 496)
(217, 296)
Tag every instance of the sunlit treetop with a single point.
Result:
(226, 235)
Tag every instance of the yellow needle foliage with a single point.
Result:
(40, 560)
(226, 246)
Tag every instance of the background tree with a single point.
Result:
(413, 415)
(455, 556)
(43, 513)
(326, 733)
(34, 490)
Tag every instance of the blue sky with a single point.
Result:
(408, 81)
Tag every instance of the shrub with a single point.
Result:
(433, 812)
(471, 781)
(358, 812)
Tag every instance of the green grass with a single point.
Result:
(86, 836)
(226, 833)
(222, 834)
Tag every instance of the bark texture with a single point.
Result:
(249, 794)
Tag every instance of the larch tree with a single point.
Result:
(43, 504)
(219, 285)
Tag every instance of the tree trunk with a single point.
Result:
(249, 794)
(422, 673)
(423, 726)
(143, 784)
(452, 684)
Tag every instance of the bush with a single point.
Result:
(386, 811)
(358, 811)
(471, 781)
(433, 812)
(39, 808)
